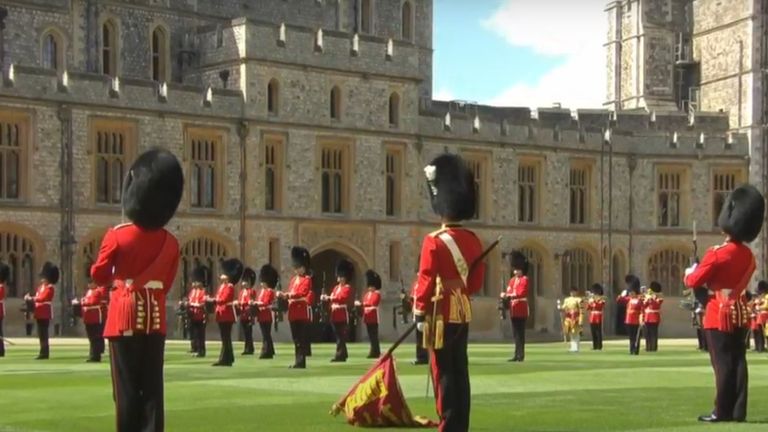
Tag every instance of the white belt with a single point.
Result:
(91, 307)
(230, 303)
(297, 300)
(596, 312)
(44, 303)
(652, 310)
(370, 307)
(337, 306)
(519, 300)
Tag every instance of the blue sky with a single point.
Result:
(520, 52)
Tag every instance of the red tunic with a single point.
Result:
(264, 303)
(141, 266)
(754, 318)
(518, 291)
(299, 299)
(196, 301)
(43, 299)
(340, 302)
(371, 301)
(725, 270)
(595, 307)
(94, 307)
(2, 301)
(634, 309)
(652, 310)
(762, 309)
(244, 300)
(437, 264)
(225, 303)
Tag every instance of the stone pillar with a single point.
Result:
(66, 206)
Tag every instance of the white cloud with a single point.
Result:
(444, 94)
(571, 30)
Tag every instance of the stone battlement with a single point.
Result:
(636, 131)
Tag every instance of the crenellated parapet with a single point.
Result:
(636, 131)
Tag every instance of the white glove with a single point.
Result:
(691, 269)
(624, 293)
(357, 303)
(420, 326)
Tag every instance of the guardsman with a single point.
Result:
(760, 307)
(339, 299)
(5, 272)
(573, 318)
(442, 307)
(245, 299)
(633, 319)
(268, 278)
(299, 308)
(231, 272)
(726, 271)
(595, 309)
(94, 315)
(652, 316)
(43, 298)
(517, 292)
(370, 305)
(140, 260)
(198, 317)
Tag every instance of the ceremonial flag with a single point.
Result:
(376, 400)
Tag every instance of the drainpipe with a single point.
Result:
(67, 227)
(242, 133)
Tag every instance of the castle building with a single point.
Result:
(309, 121)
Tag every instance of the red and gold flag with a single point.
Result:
(376, 400)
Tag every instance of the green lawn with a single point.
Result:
(552, 391)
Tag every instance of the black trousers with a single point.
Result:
(450, 375)
(702, 337)
(95, 334)
(728, 353)
(2, 342)
(373, 337)
(227, 355)
(197, 337)
(422, 355)
(758, 334)
(340, 331)
(300, 335)
(247, 328)
(137, 382)
(267, 346)
(597, 336)
(634, 341)
(42, 335)
(518, 331)
(651, 337)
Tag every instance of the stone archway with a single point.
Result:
(323, 264)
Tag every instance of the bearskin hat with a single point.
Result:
(762, 287)
(372, 279)
(268, 276)
(345, 269)
(5, 273)
(249, 276)
(50, 273)
(655, 287)
(200, 275)
(742, 214)
(633, 283)
(153, 189)
(597, 289)
(518, 261)
(451, 188)
(300, 257)
(232, 269)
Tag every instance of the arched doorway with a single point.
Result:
(324, 279)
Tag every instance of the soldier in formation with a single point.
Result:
(43, 307)
(246, 297)
(94, 311)
(5, 273)
(299, 312)
(339, 302)
(633, 320)
(517, 294)
(370, 305)
(226, 315)
(268, 278)
(595, 308)
(759, 308)
(196, 308)
(572, 310)
(721, 279)
(652, 316)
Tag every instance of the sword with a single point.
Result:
(6, 340)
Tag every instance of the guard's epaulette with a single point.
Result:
(123, 225)
(719, 246)
(437, 233)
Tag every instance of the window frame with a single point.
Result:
(397, 152)
(738, 178)
(24, 137)
(273, 97)
(344, 145)
(113, 24)
(655, 274)
(220, 136)
(130, 130)
(162, 56)
(682, 209)
(394, 103)
(61, 47)
(190, 256)
(587, 167)
(410, 20)
(369, 17)
(26, 250)
(483, 204)
(277, 141)
(537, 165)
(336, 104)
(587, 279)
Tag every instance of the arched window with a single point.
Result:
(14, 130)
(667, 267)
(335, 103)
(407, 21)
(578, 270)
(201, 251)
(52, 51)
(109, 48)
(273, 97)
(18, 252)
(535, 280)
(394, 110)
(159, 54)
(366, 16)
